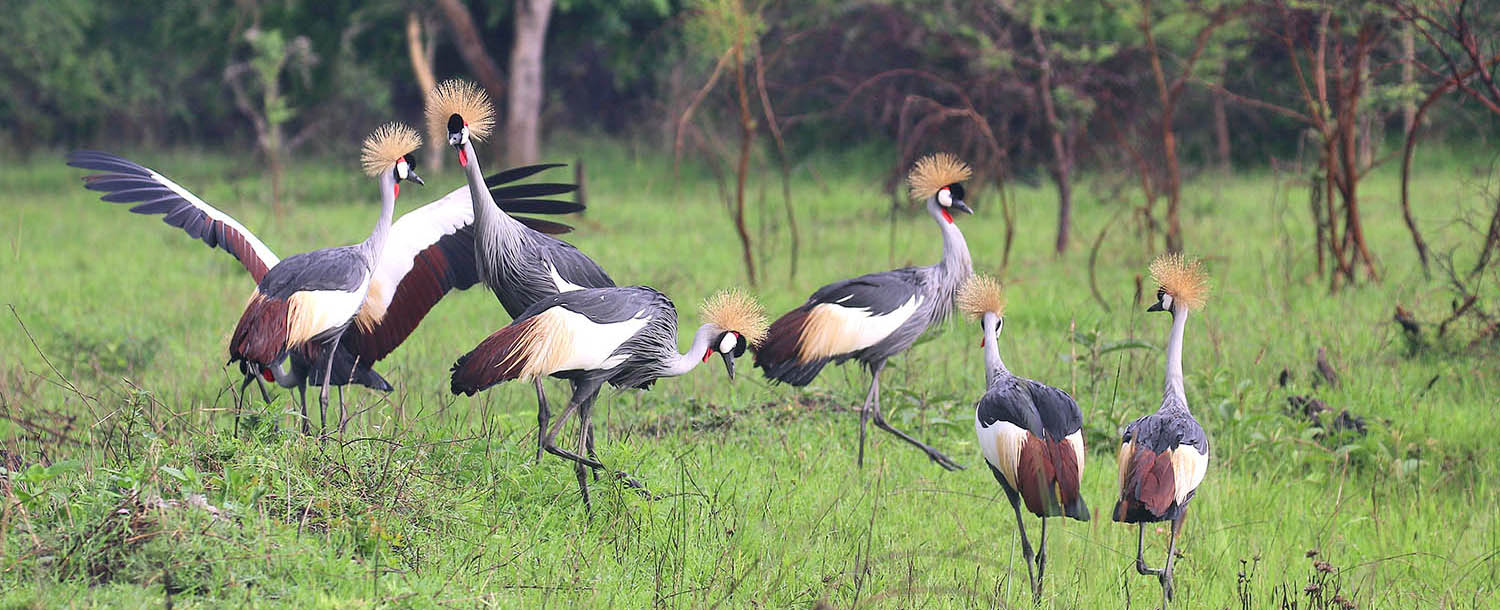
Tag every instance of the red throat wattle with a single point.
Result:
(706, 353)
(463, 158)
(981, 341)
(395, 190)
(265, 372)
(946, 216)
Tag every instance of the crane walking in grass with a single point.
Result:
(307, 301)
(873, 317)
(1164, 456)
(625, 336)
(430, 252)
(1030, 433)
(520, 265)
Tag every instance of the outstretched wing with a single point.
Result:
(153, 193)
(430, 251)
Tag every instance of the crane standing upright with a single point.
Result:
(307, 300)
(625, 336)
(1164, 455)
(873, 317)
(520, 265)
(1031, 434)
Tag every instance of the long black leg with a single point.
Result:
(1041, 561)
(343, 412)
(580, 394)
(265, 394)
(1140, 557)
(864, 413)
(542, 416)
(328, 349)
(586, 429)
(302, 391)
(937, 456)
(578, 468)
(1031, 577)
(239, 401)
(1166, 571)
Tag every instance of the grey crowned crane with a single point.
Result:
(1029, 432)
(873, 317)
(520, 265)
(1164, 455)
(307, 300)
(430, 252)
(624, 336)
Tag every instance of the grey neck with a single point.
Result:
(994, 368)
(375, 245)
(1173, 393)
(680, 364)
(486, 212)
(956, 266)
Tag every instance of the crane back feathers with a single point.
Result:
(737, 311)
(465, 99)
(387, 145)
(979, 295)
(260, 335)
(1182, 278)
(270, 326)
(933, 172)
(552, 341)
(1156, 485)
(1044, 472)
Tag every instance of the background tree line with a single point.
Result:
(1026, 89)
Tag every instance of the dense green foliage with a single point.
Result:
(88, 72)
(115, 406)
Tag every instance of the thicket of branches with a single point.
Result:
(1028, 90)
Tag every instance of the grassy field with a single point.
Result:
(117, 415)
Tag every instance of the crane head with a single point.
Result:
(404, 169)
(729, 345)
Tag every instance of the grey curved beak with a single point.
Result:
(1156, 307)
(728, 364)
(412, 176)
(963, 207)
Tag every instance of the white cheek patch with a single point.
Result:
(945, 197)
(1166, 301)
(402, 169)
(726, 344)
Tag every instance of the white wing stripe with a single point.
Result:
(261, 250)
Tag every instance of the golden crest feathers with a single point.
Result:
(979, 295)
(465, 99)
(934, 172)
(1182, 278)
(735, 310)
(387, 145)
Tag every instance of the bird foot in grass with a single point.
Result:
(944, 461)
(1140, 566)
(634, 484)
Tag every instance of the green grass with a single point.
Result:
(433, 500)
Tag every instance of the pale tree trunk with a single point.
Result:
(421, 49)
(524, 113)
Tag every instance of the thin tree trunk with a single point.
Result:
(1221, 124)
(471, 47)
(1408, 75)
(747, 132)
(1061, 159)
(523, 128)
(419, 50)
